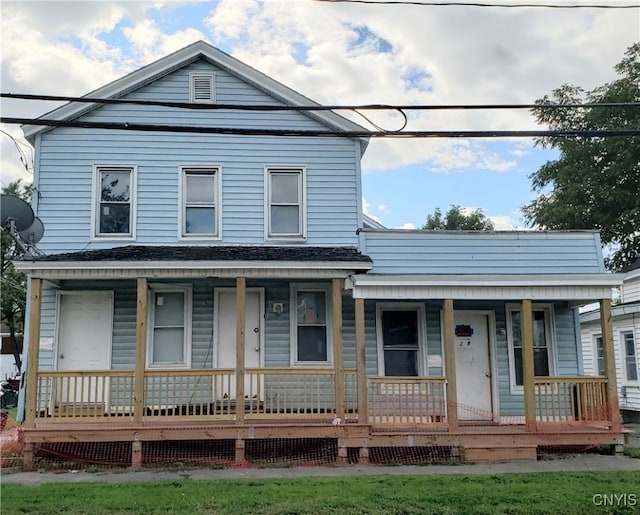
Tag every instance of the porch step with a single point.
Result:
(493, 454)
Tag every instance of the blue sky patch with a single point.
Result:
(417, 78)
(367, 37)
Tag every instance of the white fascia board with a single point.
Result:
(181, 58)
(616, 311)
(34, 266)
(633, 274)
(607, 280)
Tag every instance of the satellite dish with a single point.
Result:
(15, 211)
(33, 234)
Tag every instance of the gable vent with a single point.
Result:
(201, 88)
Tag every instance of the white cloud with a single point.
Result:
(339, 54)
(366, 209)
(149, 43)
(407, 225)
(383, 207)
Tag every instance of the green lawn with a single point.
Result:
(552, 493)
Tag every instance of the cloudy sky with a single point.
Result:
(341, 53)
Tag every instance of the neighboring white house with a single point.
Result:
(626, 338)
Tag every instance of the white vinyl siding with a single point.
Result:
(170, 326)
(202, 88)
(114, 202)
(310, 325)
(284, 212)
(200, 202)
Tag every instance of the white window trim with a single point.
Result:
(192, 95)
(623, 355)
(181, 202)
(594, 340)
(96, 198)
(423, 369)
(293, 323)
(550, 336)
(303, 203)
(187, 289)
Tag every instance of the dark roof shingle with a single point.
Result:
(212, 253)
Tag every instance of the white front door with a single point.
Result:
(473, 366)
(84, 342)
(225, 331)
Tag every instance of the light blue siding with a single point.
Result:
(464, 252)
(67, 157)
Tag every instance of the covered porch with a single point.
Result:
(357, 409)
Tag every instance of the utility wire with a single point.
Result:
(23, 156)
(365, 107)
(482, 4)
(321, 133)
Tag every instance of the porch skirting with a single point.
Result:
(229, 444)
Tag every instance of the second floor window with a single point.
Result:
(200, 205)
(115, 210)
(285, 209)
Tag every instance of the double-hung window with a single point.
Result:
(285, 215)
(114, 201)
(629, 355)
(542, 342)
(310, 328)
(598, 357)
(200, 202)
(170, 333)
(400, 341)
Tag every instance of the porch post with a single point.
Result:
(609, 362)
(241, 284)
(361, 365)
(528, 370)
(141, 349)
(337, 346)
(450, 365)
(34, 352)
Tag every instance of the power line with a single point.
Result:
(23, 157)
(483, 4)
(316, 107)
(322, 133)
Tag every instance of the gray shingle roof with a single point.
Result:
(212, 253)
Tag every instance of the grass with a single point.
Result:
(632, 452)
(542, 493)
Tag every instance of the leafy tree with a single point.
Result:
(455, 219)
(595, 183)
(13, 293)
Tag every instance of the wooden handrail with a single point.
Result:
(407, 380)
(569, 379)
(85, 373)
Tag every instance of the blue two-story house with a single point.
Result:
(203, 280)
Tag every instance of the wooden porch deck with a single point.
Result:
(470, 443)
